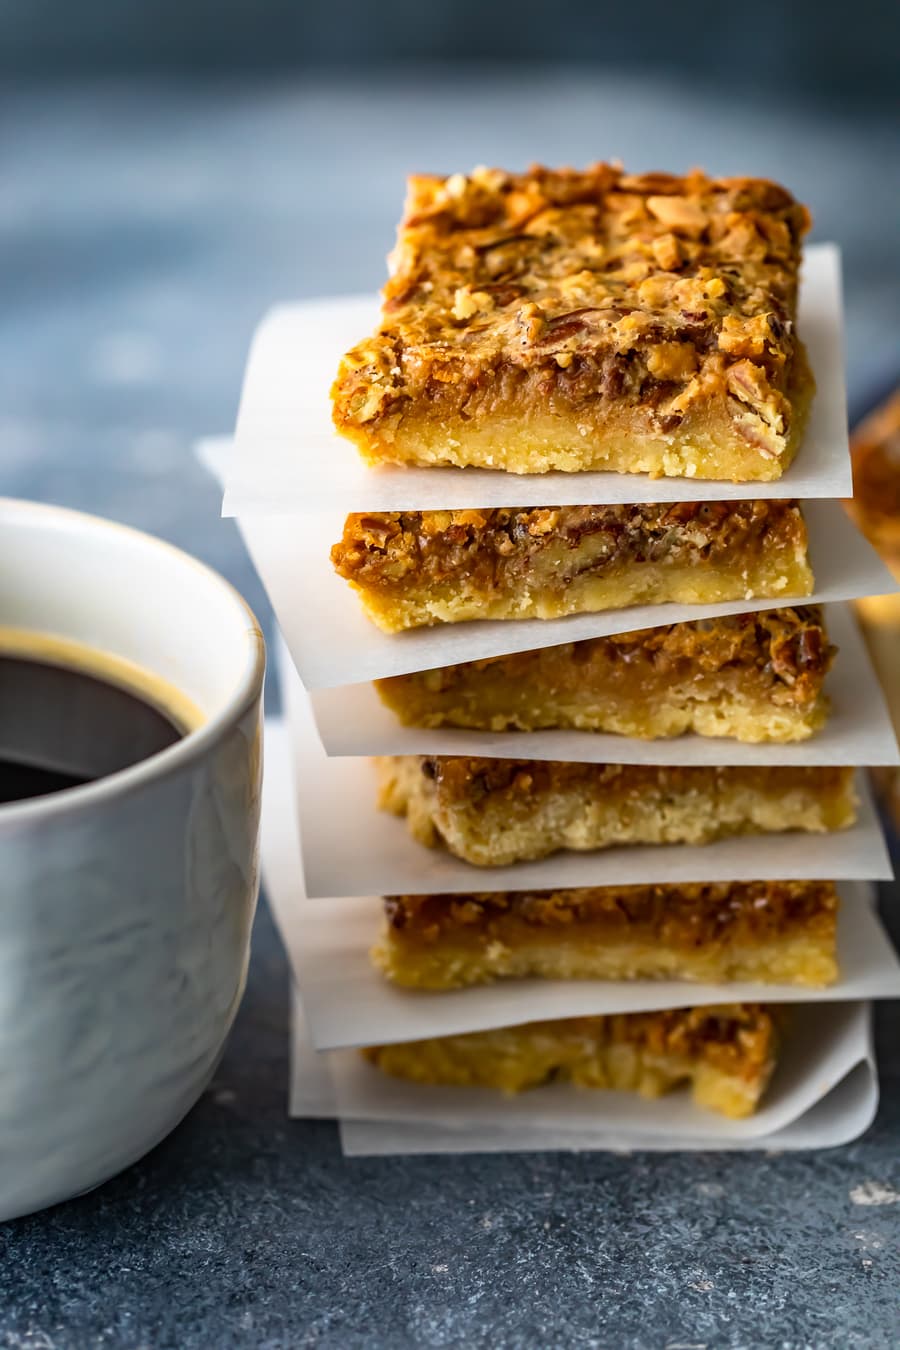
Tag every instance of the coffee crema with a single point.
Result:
(71, 714)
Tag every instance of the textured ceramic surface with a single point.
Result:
(127, 904)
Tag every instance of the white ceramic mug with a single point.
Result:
(125, 904)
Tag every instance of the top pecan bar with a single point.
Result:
(572, 320)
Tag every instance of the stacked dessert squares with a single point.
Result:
(579, 321)
(620, 357)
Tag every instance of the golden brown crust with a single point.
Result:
(422, 567)
(584, 294)
(726, 1052)
(757, 676)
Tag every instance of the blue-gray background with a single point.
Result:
(169, 170)
(820, 45)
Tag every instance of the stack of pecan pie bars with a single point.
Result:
(570, 322)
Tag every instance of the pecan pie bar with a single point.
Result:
(875, 507)
(778, 932)
(880, 621)
(875, 449)
(753, 677)
(725, 1054)
(493, 812)
(587, 320)
(416, 568)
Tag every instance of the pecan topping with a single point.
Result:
(599, 272)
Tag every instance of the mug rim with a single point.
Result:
(190, 747)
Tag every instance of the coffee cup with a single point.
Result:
(128, 898)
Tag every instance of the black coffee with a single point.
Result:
(20, 781)
(62, 726)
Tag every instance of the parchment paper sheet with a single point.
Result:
(824, 1093)
(289, 457)
(347, 1002)
(351, 848)
(843, 1105)
(352, 720)
(333, 643)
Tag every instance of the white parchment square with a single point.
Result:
(822, 1043)
(352, 720)
(290, 459)
(351, 848)
(840, 1117)
(333, 642)
(825, 1093)
(347, 1002)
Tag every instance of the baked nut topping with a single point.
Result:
(564, 319)
(769, 931)
(683, 914)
